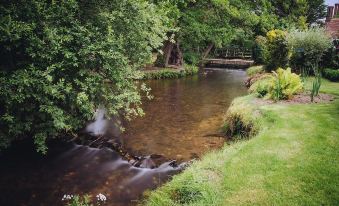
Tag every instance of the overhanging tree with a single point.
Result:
(61, 60)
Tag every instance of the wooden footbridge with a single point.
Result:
(232, 63)
(230, 58)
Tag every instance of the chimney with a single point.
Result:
(329, 13)
(336, 10)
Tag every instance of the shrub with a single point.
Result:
(241, 119)
(285, 84)
(282, 84)
(331, 74)
(255, 70)
(191, 69)
(260, 50)
(308, 47)
(191, 57)
(331, 56)
(277, 50)
(262, 86)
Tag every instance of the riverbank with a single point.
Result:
(169, 73)
(292, 160)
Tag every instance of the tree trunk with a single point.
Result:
(207, 51)
(180, 58)
(205, 54)
(167, 53)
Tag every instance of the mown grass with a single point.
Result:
(293, 160)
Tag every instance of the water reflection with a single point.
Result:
(181, 122)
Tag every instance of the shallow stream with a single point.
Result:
(182, 122)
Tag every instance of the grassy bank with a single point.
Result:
(292, 160)
(170, 73)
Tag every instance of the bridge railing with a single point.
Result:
(232, 53)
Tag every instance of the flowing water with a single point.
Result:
(182, 122)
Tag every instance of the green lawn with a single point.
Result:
(294, 160)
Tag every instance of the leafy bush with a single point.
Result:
(61, 60)
(262, 85)
(255, 70)
(191, 69)
(285, 84)
(277, 50)
(308, 47)
(331, 74)
(282, 84)
(192, 58)
(260, 50)
(331, 57)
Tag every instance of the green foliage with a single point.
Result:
(60, 61)
(255, 70)
(80, 201)
(167, 73)
(331, 57)
(282, 84)
(285, 84)
(241, 120)
(170, 73)
(187, 194)
(191, 69)
(316, 86)
(331, 74)
(308, 47)
(277, 50)
(316, 10)
(262, 86)
(192, 58)
(260, 50)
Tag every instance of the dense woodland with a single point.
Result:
(62, 60)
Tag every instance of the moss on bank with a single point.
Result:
(170, 73)
(293, 160)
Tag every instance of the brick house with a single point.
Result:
(332, 21)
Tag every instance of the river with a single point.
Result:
(182, 122)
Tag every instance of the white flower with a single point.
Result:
(101, 197)
(67, 197)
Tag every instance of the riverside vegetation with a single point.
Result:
(291, 159)
(283, 152)
(170, 73)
